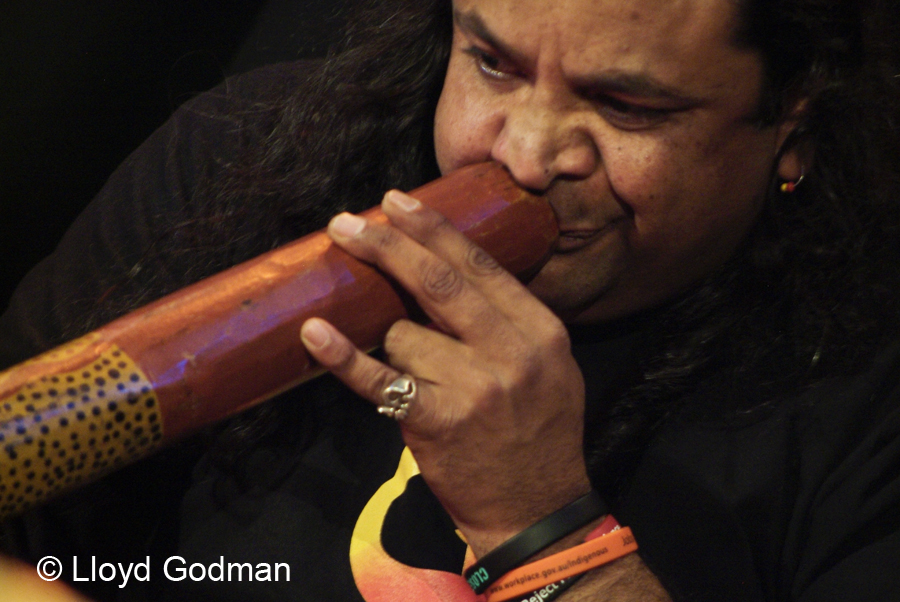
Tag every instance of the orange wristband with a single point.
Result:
(567, 563)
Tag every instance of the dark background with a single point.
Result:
(82, 84)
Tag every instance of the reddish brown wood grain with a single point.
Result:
(227, 342)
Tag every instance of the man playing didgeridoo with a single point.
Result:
(706, 369)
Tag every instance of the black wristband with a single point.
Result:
(519, 548)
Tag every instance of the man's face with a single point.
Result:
(635, 117)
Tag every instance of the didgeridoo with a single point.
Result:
(226, 343)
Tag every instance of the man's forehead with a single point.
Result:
(673, 39)
(597, 18)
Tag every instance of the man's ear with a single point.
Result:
(791, 165)
(795, 152)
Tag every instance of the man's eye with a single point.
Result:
(489, 64)
(628, 115)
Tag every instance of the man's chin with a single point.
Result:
(568, 298)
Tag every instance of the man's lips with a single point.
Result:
(574, 239)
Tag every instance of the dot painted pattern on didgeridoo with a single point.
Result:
(66, 429)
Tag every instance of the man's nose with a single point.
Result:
(539, 143)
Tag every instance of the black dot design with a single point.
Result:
(69, 428)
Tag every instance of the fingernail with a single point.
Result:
(314, 334)
(403, 201)
(347, 225)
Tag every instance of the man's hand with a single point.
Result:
(497, 421)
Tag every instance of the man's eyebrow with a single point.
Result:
(472, 22)
(632, 84)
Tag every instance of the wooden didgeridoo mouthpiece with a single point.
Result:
(226, 343)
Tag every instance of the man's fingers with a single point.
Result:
(440, 290)
(362, 373)
(365, 375)
(461, 289)
(433, 231)
(427, 353)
